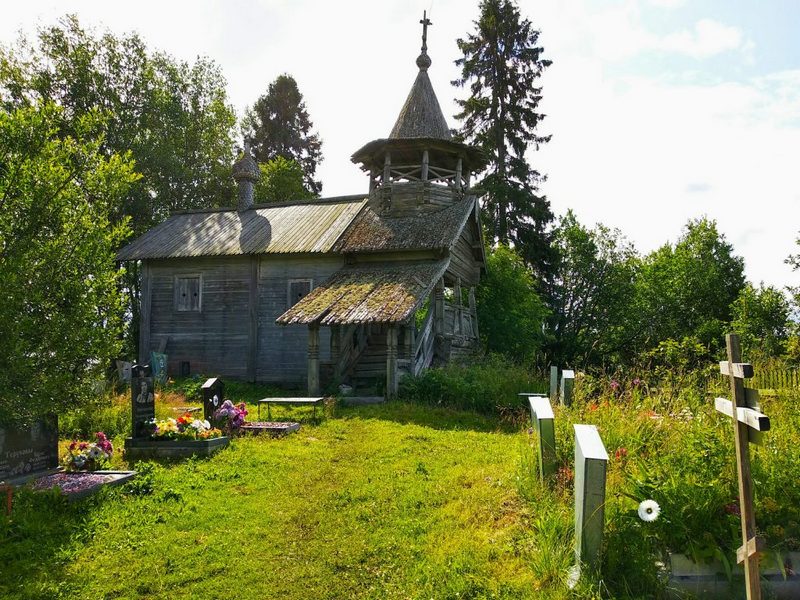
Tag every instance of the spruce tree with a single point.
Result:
(278, 125)
(501, 67)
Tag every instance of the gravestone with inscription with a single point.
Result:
(28, 450)
(143, 403)
(213, 395)
(158, 362)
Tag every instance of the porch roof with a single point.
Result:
(368, 293)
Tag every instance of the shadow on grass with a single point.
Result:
(434, 417)
(37, 541)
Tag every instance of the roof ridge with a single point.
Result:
(330, 200)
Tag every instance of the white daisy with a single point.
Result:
(95, 452)
(649, 510)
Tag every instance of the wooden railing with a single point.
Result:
(352, 343)
(459, 320)
(423, 346)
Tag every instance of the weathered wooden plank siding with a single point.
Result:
(214, 340)
(462, 258)
(282, 349)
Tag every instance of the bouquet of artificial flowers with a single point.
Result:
(89, 456)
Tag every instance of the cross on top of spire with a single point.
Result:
(423, 60)
(425, 22)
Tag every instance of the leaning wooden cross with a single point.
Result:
(749, 423)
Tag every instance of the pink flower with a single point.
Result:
(614, 385)
(636, 381)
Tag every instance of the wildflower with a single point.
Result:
(732, 508)
(636, 381)
(614, 385)
(649, 510)
(593, 406)
(621, 453)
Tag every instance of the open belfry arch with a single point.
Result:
(361, 289)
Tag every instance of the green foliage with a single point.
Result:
(278, 125)
(688, 289)
(488, 387)
(501, 65)
(510, 312)
(761, 318)
(171, 116)
(281, 180)
(59, 304)
(591, 295)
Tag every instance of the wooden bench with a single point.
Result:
(295, 401)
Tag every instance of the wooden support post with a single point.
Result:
(438, 307)
(407, 347)
(458, 174)
(387, 169)
(591, 460)
(553, 383)
(424, 174)
(391, 362)
(252, 353)
(146, 293)
(473, 311)
(313, 359)
(748, 553)
(373, 175)
(567, 386)
(466, 181)
(336, 350)
(544, 423)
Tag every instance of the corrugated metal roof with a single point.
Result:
(369, 293)
(372, 232)
(300, 227)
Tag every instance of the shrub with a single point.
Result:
(490, 386)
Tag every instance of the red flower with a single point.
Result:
(621, 453)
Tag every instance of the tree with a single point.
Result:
(278, 125)
(761, 318)
(171, 116)
(510, 312)
(60, 306)
(591, 294)
(688, 290)
(501, 66)
(281, 181)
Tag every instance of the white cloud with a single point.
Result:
(706, 39)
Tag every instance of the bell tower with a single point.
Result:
(419, 167)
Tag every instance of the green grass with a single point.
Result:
(390, 501)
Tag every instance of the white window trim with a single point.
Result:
(178, 276)
(289, 300)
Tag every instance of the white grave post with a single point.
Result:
(591, 460)
(553, 383)
(567, 385)
(544, 422)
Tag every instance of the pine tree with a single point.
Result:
(501, 67)
(278, 125)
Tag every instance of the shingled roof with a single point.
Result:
(375, 293)
(372, 232)
(299, 227)
(421, 115)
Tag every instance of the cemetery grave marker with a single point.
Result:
(124, 370)
(567, 386)
(544, 422)
(591, 460)
(213, 396)
(29, 450)
(158, 362)
(553, 383)
(143, 403)
(748, 422)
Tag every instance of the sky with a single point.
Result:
(660, 111)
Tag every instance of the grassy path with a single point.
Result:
(391, 501)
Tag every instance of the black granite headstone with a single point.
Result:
(29, 449)
(143, 403)
(213, 394)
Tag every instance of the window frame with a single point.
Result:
(290, 302)
(175, 287)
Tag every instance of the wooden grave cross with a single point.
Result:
(749, 423)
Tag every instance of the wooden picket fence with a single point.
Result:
(776, 379)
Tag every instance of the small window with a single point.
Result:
(298, 288)
(188, 289)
